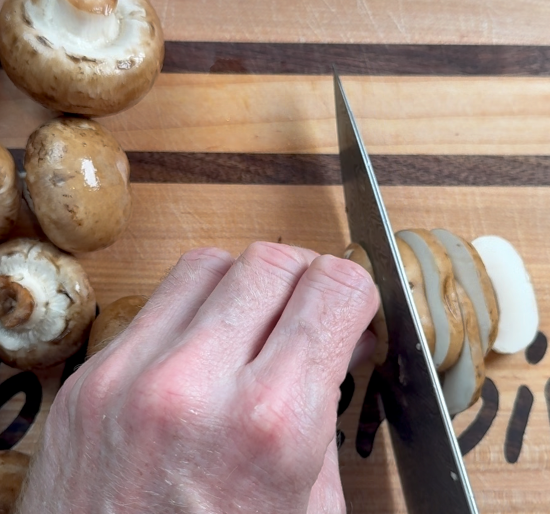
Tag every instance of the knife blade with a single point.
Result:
(430, 466)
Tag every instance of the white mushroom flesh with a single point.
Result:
(518, 312)
(432, 283)
(462, 383)
(48, 319)
(465, 272)
(96, 36)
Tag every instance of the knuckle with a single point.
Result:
(343, 278)
(193, 263)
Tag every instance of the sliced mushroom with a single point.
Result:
(10, 196)
(413, 271)
(112, 321)
(356, 253)
(462, 383)
(77, 176)
(13, 470)
(437, 271)
(471, 274)
(517, 304)
(46, 304)
(92, 57)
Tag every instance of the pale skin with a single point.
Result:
(220, 397)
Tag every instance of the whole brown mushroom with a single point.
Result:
(13, 470)
(10, 195)
(77, 177)
(91, 57)
(113, 320)
(47, 304)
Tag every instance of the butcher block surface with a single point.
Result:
(237, 142)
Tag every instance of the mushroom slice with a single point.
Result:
(470, 273)
(10, 196)
(77, 176)
(112, 321)
(416, 285)
(356, 253)
(462, 383)
(437, 271)
(46, 304)
(517, 304)
(13, 470)
(93, 57)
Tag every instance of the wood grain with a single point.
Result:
(170, 219)
(322, 169)
(295, 114)
(355, 59)
(492, 22)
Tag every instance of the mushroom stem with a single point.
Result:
(16, 303)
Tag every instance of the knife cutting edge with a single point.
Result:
(429, 462)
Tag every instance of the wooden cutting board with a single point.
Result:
(237, 142)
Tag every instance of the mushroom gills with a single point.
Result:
(462, 383)
(440, 293)
(517, 304)
(473, 278)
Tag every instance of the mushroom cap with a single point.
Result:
(463, 382)
(10, 195)
(13, 469)
(470, 273)
(437, 270)
(77, 176)
(52, 50)
(113, 320)
(416, 284)
(63, 305)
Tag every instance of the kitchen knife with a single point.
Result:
(429, 462)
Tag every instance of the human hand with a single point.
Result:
(220, 397)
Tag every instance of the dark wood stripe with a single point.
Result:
(356, 59)
(323, 169)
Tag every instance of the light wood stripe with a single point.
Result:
(350, 21)
(295, 114)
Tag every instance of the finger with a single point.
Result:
(173, 305)
(330, 308)
(363, 350)
(327, 495)
(232, 325)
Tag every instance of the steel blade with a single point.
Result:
(430, 465)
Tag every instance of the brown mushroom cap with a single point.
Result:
(77, 176)
(440, 286)
(10, 195)
(94, 58)
(416, 284)
(13, 470)
(113, 320)
(47, 304)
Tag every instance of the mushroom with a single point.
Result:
(91, 57)
(437, 271)
(470, 273)
(77, 177)
(13, 470)
(10, 196)
(46, 304)
(112, 321)
(518, 319)
(462, 383)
